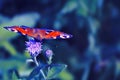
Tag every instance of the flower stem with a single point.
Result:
(35, 60)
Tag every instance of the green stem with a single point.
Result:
(35, 60)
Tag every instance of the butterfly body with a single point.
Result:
(39, 34)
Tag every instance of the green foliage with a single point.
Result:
(14, 77)
(9, 47)
(54, 70)
(35, 72)
(65, 75)
(5, 36)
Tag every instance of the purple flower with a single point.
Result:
(34, 48)
(49, 53)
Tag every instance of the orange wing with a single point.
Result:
(39, 33)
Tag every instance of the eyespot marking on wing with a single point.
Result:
(65, 36)
(12, 29)
(48, 31)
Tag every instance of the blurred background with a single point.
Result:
(92, 54)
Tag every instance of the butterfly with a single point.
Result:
(38, 33)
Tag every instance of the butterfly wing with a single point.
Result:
(47, 34)
(17, 29)
(52, 34)
(39, 33)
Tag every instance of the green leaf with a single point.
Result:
(9, 47)
(66, 75)
(14, 76)
(54, 70)
(34, 73)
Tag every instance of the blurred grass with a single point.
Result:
(5, 36)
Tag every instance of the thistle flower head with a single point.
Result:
(33, 47)
(49, 55)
